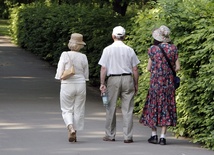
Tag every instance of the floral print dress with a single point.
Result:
(160, 106)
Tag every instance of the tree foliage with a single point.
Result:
(195, 39)
(191, 23)
(45, 30)
(119, 6)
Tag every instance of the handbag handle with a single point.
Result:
(167, 59)
(69, 59)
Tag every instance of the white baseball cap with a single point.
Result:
(119, 31)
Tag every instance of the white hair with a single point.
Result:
(74, 47)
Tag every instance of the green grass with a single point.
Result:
(4, 30)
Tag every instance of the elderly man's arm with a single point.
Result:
(103, 72)
(136, 77)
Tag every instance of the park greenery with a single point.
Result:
(4, 27)
(44, 28)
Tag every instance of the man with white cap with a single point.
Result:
(119, 63)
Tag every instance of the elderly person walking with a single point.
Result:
(119, 62)
(160, 107)
(73, 89)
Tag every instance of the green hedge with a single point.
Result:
(45, 30)
(4, 24)
(192, 26)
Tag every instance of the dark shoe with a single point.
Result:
(108, 139)
(72, 137)
(162, 141)
(153, 139)
(128, 141)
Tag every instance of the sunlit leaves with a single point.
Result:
(191, 23)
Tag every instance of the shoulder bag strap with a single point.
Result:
(69, 58)
(167, 59)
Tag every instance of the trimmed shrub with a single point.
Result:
(191, 23)
(45, 30)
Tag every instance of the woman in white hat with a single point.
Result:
(160, 107)
(73, 88)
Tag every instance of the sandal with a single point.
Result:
(72, 137)
(71, 134)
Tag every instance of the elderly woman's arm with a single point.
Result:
(177, 65)
(60, 67)
(86, 72)
(149, 66)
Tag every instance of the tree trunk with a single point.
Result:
(120, 7)
(59, 2)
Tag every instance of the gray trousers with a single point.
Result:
(120, 87)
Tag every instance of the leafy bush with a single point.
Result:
(191, 23)
(4, 27)
(140, 39)
(194, 29)
(45, 30)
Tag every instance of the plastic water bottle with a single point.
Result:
(105, 99)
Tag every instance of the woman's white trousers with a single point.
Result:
(72, 102)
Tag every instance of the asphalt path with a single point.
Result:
(31, 121)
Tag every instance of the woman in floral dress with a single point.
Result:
(160, 107)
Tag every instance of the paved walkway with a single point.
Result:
(31, 122)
